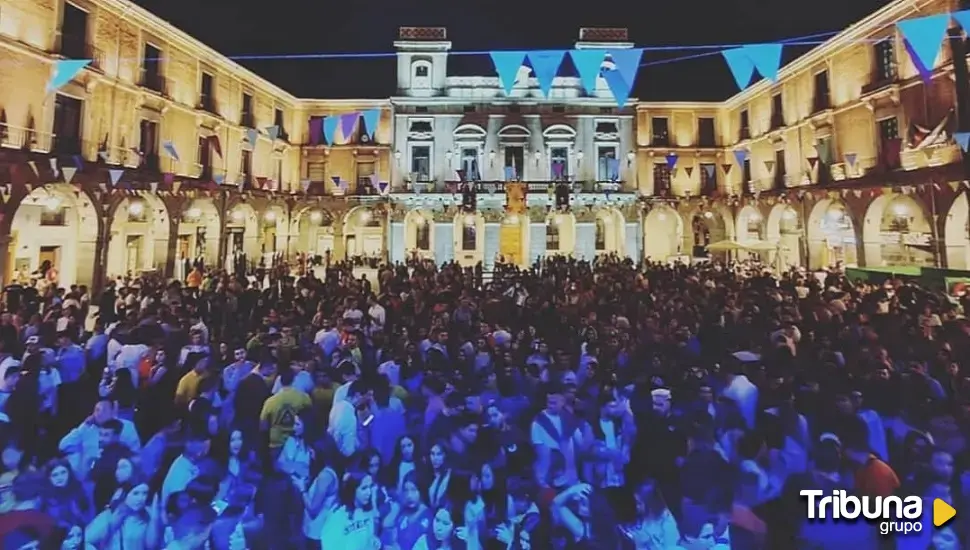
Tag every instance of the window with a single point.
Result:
(661, 179)
(744, 125)
(421, 79)
(53, 216)
(279, 122)
(421, 71)
(67, 125)
(205, 157)
(421, 126)
(468, 236)
(514, 159)
(148, 144)
(600, 236)
(422, 235)
(885, 60)
(552, 235)
(746, 175)
(421, 162)
(780, 170)
(469, 108)
(888, 129)
(661, 132)
(74, 32)
(247, 119)
(822, 100)
(705, 132)
(246, 165)
(559, 163)
(207, 98)
(606, 127)
(708, 179)
(777, 112)
(607, 166)
(364, 172)
(469, 163)
(152, 69)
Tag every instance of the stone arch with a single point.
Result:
(784, 227)
(559, 132)
(514, 132)
(897, 231)
(199, 235)
(750, 224)
(609, 231)
(242, 230)
(956, 233)
(663, 234)
(274, 236)
(419, 233)
(363, 233)
(470, 132)
(469, 236)
(560, 234)
(832, 235)
(139, 236)
(59, 224)
(705, 226)
(314, 230)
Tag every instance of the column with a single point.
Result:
(537, 242)
(444, 242)
(6, 266)
(339, 246)
(491, 246)
(633, 242)
(585, 246)
(168, 269)
(396, 242)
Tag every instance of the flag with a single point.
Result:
(620, 89)
(741, 66)
(115, 175)
(273, 132)
(627, 63)
(371, 118)
(766, 59)
(924, 35)
(545, 65)
(588, 64)
(507, 67)
(740, 155)
(330, 125)
(68, 172)
(252, 136)
(963, 140)
(348, 121)
(64, 71)
(671, 160)
(709, 169)
(170, 149)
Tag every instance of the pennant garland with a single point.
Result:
(545, 64)
(115, 175)
(743, 61)
(924, 35)
(850, 158)
(251, 137)
(371, 118)
(330, 125)
(68, 172)
(621, 92)
(348, 121)
(626, 63)
(740, 155)
(962, 139)
(671, 160)
(709, 169)
(689, 170)
(64, 71)
(507, 66)
(273, 132)
(588, 64)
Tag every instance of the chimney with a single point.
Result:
(422, 34)
(602, 37)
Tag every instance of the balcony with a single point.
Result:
(25, 139)
(879, 85)
(744, 133)
(156, 83)
(66, 145)
(537, 187)
(821, 103)
(208, 105)
(660, 141)
(247, 120)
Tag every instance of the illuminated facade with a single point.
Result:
(849, 157)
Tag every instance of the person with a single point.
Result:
(344, 418)
(353, 524)
(280, 412)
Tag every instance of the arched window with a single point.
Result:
(600, 234)
(469, 239)
(422, 235)
(421, 74)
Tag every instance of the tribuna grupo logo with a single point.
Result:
(893, 514)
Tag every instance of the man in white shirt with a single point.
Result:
(376, 312)
(185, 468)
(82, 445)
(343, 418)
(740, 390)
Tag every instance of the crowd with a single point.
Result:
(568, 406)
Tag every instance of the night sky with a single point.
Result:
(289, 27)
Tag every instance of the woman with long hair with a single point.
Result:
(402, 463)
(320, 496)
(74, 539)
(409, 518)
(652, 526)
(438, 475)
(110, 486)
(65, 499)
(128, 524)
(120, 388)
(353, 524)
(447, 533)
(241, 465)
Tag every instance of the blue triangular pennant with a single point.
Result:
(924, 35)
(963, 19)
(709, 168)
(545, 64)
(273, 132)
(766, 58)
(742, 68)
(619, 87)
(64, 71)
(850, 158)
(671, 160)
(252, 135)
(507, 66)
(588, 64)
(740, 155)
(330, 125)
(627, 63)
(219, 179)
(170, 149)
(115, 175)
(371, 118)
(962, 139)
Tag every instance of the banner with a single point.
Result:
(115, 175)
(924, 35)
(371, 118)
(743, 61)
(330, 125)
(588, 64)
(962, 139)
(545, 65)
(348, 121)
(507, 66)
(64, 71)
(620, 89)
(671, 160)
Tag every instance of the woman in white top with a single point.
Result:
(129, 524)
(445, 534)
(319, 499)
(402, 463)
(653, 526)
(296, 456)
(352, 525)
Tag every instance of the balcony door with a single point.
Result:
(148, 144)
(67, 125)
